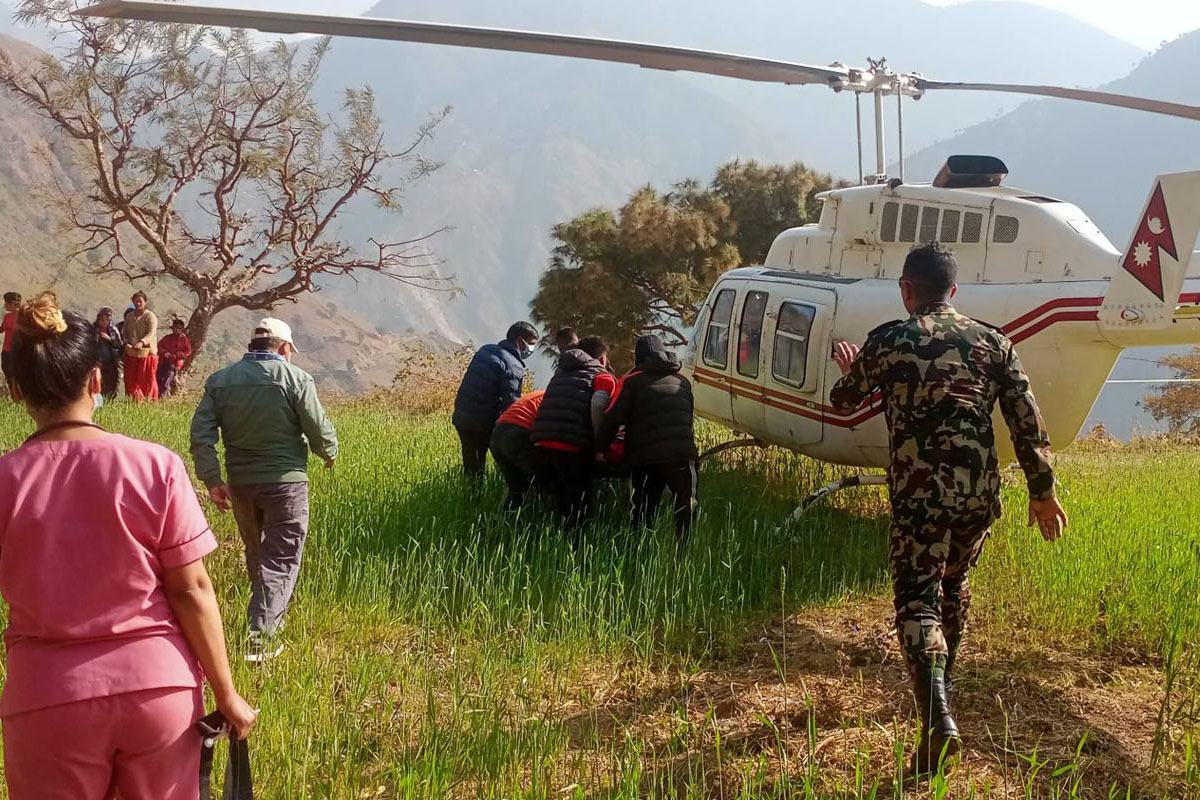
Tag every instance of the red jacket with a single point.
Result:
(175, 347)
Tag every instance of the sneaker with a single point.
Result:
(262, 648)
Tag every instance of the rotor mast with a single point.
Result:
(880, 82)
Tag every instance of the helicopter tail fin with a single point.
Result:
(1144, 290)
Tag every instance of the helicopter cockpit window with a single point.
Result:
(750, 334)
(929, 224)
(908, 223)
(972, 226)
(1006, 230)
(887, 225)
(716, 339)
(950, 220)
(791, 343)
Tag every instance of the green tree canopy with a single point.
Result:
(648, 266)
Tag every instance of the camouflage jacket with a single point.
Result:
(939, 375)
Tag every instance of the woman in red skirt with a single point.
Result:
(141, 350)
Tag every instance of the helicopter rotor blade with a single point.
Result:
(650, 56)
(1084, 95)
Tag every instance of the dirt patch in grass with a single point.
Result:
(823, 698)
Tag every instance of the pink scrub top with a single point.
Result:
(86, 529)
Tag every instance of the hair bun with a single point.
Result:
(42, 318)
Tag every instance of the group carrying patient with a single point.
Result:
(586, 425)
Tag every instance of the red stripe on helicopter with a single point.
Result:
(1062, 302)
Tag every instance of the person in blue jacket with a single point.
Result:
(491, 384)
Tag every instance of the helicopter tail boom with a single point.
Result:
(1144, 292)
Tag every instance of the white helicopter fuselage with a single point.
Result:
(1037, 268)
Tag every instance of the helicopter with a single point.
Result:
(760, 353)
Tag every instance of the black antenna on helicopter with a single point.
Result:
(877, 79)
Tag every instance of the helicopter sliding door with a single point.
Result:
(749, 413)
(799, 321)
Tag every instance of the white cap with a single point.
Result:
(276, 329)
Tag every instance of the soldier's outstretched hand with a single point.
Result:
(844, 354)
(1050, 516)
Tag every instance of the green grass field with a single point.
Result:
(437, 649)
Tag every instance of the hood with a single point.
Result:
(653, 356)
(575, 359)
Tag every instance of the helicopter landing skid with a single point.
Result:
(836, 486)
(732, 445)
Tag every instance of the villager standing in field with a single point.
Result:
(112, 349)
(939, 375)
(8, 326)
(564, 431)
(490, 385)
(654, 404)
(174, 349)
(141, 350)
(113, 623)
(512, 449)
(269, 416)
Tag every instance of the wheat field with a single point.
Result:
(437, 649)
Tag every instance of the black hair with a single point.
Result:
(932, 271)
(565, 339)
(12, 297)
(53, 354)
(137, 294)
(521, 332)
(594, 346)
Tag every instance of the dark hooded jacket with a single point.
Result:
(491, 384)
(566, 413)
(654, 403)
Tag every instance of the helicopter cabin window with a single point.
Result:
(950, 220)
(1006, 229)
(972, 227)
(929, 224)
(887, 226)
(716, 339)
(750, 334)
(791, 343)
(908, 223)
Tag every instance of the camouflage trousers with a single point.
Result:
(930, 563)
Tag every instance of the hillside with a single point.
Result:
(342, 349)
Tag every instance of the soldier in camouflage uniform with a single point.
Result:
(940, 375)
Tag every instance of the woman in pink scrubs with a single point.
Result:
(113, 623)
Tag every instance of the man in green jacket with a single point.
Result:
(268, 413)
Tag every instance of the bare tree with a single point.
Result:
(207, 162)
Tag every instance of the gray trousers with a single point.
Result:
(272, 519)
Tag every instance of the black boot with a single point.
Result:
(939, 732)
(952, 644)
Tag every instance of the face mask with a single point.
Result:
(526, 349)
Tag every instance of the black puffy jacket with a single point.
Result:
(566, 412)
(654, 403)
(491, 384)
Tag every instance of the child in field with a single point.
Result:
(173, 350)
(12, 303)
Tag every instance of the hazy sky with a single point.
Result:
(1146, 23)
